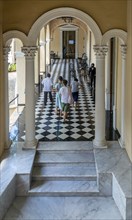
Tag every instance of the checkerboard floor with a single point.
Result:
(80, 124)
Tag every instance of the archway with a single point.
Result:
(56, 13)
(13, 40)
(115, 79)
(62, 12)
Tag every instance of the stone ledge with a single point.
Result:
(115, 164)
(15, 167)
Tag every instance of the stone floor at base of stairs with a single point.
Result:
(63, 208)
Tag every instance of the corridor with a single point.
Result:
(81, 122)
(81, 168)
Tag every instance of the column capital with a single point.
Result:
(100, 51)
(29, 52)
(124, 51)
(6, 50)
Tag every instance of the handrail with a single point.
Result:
(13, 99)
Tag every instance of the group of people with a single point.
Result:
(87, 72)
(65, 95)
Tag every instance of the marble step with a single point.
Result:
(72, 145)
(82, 171)
(63, 188)
(48, 164)
(64, 157)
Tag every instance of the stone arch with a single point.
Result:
(61, 12)
(114, 33)
(15, 34)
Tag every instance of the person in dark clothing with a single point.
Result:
(92, 73)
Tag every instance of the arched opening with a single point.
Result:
(16, 84)
(115, 81)
(52, 41)
(50, 24)
(91, 36)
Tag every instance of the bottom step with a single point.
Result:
(63, 208)
(63, 188)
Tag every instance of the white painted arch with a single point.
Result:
(61, 12)
(14, 34)
(114, 33)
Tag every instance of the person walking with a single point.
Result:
(58, 98)
(75, 91)
(92, 73)
(48, 86)
(65, 99)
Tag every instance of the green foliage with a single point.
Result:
(12, 67)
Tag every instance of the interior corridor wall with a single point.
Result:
(81, 42)
(37, 67)
(128, 95)
(47, 44)
(42, 50)
(108, 14)
(93, 58)
(20, 69)
(118, 87)
(1, 87)
(55, 43)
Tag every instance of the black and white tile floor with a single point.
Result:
(80, 124)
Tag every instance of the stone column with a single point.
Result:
(123, 88)
(7, 143)
(37, 71)
(30, 141)
(107, 81)
(61, 46)
(20, 63)
(76, 45)
(100, 141)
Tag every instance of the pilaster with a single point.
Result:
(107, 80)
(123, 89)
(2, 110)
(7, 141)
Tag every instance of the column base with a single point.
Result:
(121, 142)
(30, 144)
(100, 144)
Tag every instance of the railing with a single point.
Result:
(13, 119)
(14, 100)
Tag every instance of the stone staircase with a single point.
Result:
(64, 169)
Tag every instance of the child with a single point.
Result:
(58, 101)
(65, 94)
